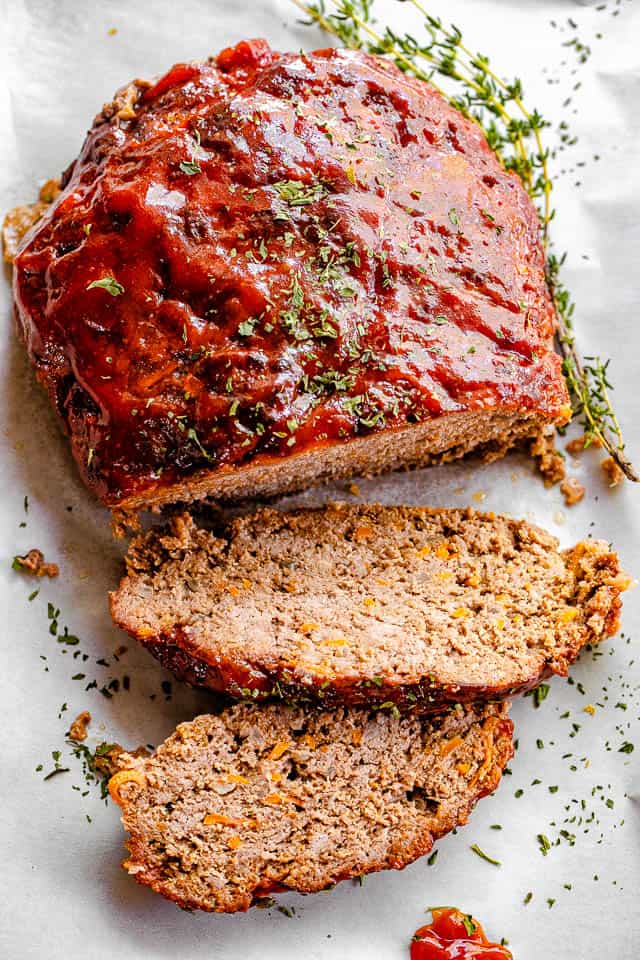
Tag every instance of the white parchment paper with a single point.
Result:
(63, 893)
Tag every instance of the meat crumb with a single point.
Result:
(22, 218)
(612, 472)
(549, 461)
(79, 728)
(107, 762)
(572, 490)
(34, 564)
(579, 444)
(576, 446)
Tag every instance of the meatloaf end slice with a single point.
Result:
(269, 269)
(258, 800)
(367, 604)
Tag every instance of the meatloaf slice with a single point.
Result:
(367, 604)
(264, 799)
(269, 269)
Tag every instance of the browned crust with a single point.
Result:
(498, 729)
(599, 583)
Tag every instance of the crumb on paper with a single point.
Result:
(612, 472)
(576, 446)
(572, 490)
(354, 489)
(33, 563)
(579, 444)
(549, 461)
(111, 32)
(479, 496)
(80, 726)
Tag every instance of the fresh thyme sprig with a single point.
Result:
(515, 134)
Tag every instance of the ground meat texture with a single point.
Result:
(268, 269)
(263, 799)
(367, 604)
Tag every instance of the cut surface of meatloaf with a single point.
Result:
(270, 269)
(368, 604)
(257, 800)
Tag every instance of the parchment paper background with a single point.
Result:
(62, 891)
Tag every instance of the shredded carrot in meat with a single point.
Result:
(424, 551)
(308, 627)
(449, 746)
(234, 842)
(460, 613)
(445, 551)
(463, 768)
(489, 750)
(567, 615)
(309, 741)
(236, 778)
(281, 747)
(219, 818)
(362, 533)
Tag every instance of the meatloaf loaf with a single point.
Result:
(258, 800)
(267, 269)
(392, 606)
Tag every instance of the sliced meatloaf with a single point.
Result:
(264, 799)
(268, 269)
(367, 604)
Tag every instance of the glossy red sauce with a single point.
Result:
(291, 250)
(453, 935)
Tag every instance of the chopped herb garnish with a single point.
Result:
(246, 328)
(298, 194)
(545, 844)
(484, 856)
(469, 924)
(110, 284)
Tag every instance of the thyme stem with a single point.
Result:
(484, 97)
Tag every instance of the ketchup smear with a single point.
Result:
(453, 935)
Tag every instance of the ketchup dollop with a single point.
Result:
(453, 935)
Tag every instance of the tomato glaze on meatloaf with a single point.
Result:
(268, 269)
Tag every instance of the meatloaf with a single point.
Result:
(258, 800)
(392, 606)
(268, 269)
